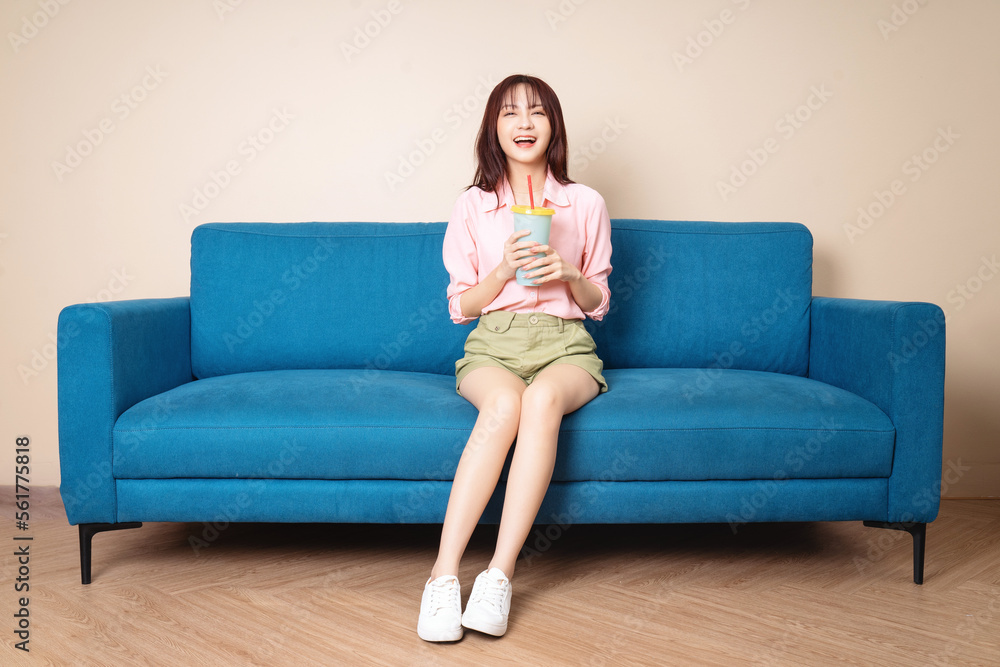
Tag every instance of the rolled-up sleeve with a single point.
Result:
(461, 259)
(597, 255)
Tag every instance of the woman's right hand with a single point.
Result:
(515, 255)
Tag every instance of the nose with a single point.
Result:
(524, 121)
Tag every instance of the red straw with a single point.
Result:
(531, 193)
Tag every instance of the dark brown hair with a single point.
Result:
(491, 161)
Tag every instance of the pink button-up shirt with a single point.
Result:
(581, 234)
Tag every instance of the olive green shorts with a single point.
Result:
(525, 343)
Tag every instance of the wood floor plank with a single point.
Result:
(314, 594)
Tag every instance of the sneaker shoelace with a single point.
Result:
(492, 592)
(444, 596)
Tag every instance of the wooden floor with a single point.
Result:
(773, 594)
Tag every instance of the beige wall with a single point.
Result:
(170, 92)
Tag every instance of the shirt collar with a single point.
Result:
(555, 194)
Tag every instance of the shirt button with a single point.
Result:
(533, 319)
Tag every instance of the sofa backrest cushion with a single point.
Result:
(710, 295)
(371, 296)
(367, 296)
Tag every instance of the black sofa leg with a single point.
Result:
(87, 532)
(919, 533)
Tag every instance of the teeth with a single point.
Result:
(520, 140)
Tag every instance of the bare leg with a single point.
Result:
(497, 394)
(557, 390)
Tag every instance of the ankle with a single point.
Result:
(506, 572)
(443, 571)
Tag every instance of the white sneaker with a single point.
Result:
(489, 603)
(441, 610)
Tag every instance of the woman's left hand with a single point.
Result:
(551, 267)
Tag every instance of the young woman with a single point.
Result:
(529, 361)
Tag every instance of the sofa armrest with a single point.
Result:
(111, 356)
(891, 353)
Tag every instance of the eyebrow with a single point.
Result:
(514, 106)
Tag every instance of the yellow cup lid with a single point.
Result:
(527, 210)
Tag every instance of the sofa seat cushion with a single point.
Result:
(723, 424)
(654, 424)
(298, 424)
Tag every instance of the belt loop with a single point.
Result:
(562, 325)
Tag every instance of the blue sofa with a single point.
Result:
(309, 377)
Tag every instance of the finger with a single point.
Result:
(540, 261)
(543, 267)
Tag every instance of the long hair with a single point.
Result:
(491, 162)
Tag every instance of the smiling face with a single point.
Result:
(523, 128)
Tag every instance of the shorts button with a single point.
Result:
(496, 328)
(533, 319)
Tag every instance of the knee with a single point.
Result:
(540, 400)
(497, 424)
(503, 407)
